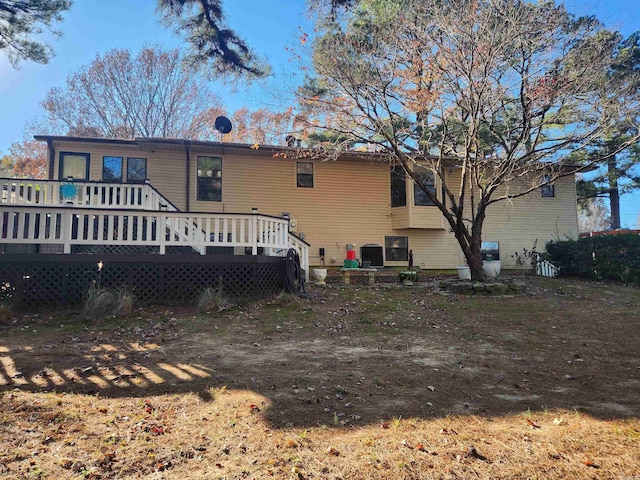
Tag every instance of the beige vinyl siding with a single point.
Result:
(434, 249)
(400, 217)
(518, 223)
(349, 201)
(96, 153)
(426, 217)
(166, 170)
(348, 204)
(420, 217)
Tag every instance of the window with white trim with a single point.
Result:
(396, 249)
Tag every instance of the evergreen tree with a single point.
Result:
(21, 20)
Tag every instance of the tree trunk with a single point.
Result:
(475, 260)
(614, 194)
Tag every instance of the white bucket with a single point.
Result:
(464, 273)
(491, 268)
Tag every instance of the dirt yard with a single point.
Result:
(353, 382)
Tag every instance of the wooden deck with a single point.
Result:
(61, 217)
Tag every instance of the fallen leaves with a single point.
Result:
(532, 424)
(333, 451)
(474, 453)
(148, 407)
(291, 443)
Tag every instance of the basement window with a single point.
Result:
(396, 249)
(490, 251)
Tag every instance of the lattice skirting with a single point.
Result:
(34, 280)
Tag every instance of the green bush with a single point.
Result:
(408, 275)
(606, 257)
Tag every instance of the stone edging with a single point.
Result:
(495, 287)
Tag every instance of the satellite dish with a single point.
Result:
(223, 124)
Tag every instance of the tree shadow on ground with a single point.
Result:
(343, 368)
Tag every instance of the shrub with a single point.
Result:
(104, 302)
(6, 314)
(607, 257)
(212, 298)
(408, 275)
(524, 259)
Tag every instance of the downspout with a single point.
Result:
(52, 158)
(188, 182)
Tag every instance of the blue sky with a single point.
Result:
(92, 27)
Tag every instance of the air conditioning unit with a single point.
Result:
(372, 254)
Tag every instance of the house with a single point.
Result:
(211, 194)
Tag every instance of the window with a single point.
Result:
(490, 251)
(112, 169)
(398, 187)
(136, 170)
(304, 177)
(396, 249)
(210, 179)
(74, 165)
(547, 189)
(428, 179)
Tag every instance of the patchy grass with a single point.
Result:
(356, 382)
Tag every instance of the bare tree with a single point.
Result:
(262, 126)
(500, 90)
(120, 95)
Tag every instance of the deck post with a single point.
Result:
(67, 230)
(162, 232)
(254, 234)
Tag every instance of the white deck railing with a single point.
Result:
(302, 248)
(71, 213)
(84, 226)
(89, 194)
(70, 225)
(544, 268)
